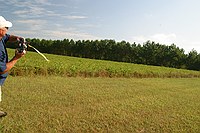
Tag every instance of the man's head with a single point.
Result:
(4, 25)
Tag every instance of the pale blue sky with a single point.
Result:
(162, 21)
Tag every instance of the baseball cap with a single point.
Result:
(4, 22)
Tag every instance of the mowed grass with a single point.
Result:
(58, 104)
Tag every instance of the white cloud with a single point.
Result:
(32, 11)
(39, 8)
(188, 45)
(43, 19)
(33, 25)
(160, 38)
(42, 2)
(76, 35)
(182, 42)
(24, 3)
(70, 33)
(33, 22)
(20, 12)
(72, 17)
(164, 38)
(24, 33)
(34, 8)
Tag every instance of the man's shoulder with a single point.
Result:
(6, 37)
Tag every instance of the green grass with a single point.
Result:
(64, 99)
(34, 64)
(59, 104)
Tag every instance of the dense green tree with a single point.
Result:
(150, 53)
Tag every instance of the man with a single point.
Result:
(6, 65)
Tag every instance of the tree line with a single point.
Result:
(149, 53)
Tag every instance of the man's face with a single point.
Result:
(3, 31)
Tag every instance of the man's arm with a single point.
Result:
(13, 61)
(18, 55)
(13, 38)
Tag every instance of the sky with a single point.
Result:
(162, 21)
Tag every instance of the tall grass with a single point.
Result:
(34, 64)
(70, 105)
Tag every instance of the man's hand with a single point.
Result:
(19, 55)
(20, 39)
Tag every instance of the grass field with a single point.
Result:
(54, 104)
(73, 95)
(33, 64)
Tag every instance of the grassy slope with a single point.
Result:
(34, 64)
(59, 104)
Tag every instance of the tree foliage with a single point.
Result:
(150, 53)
